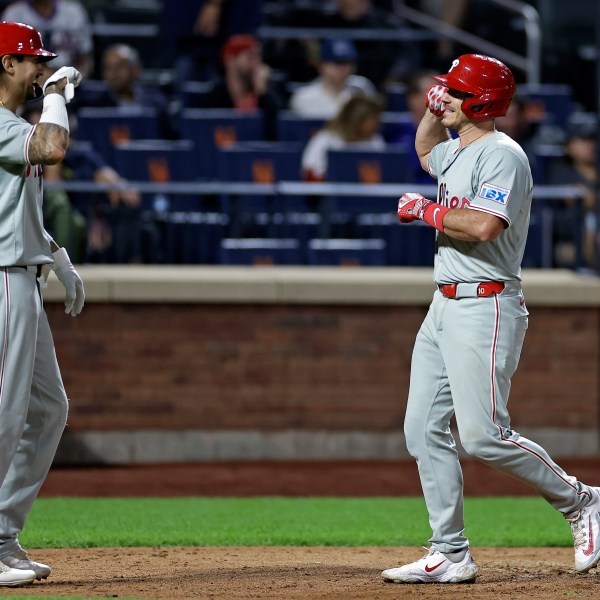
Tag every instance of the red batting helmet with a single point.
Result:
(18, 38)
(490, 81)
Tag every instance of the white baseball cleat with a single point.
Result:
(15, 577)
(434, 567)
(20, 560)
(585, 526)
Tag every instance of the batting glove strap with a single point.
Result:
(434, 214)
(433, 99)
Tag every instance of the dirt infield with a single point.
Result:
(272, 572)
(349, 573)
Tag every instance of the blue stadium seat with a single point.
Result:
(160, 161)
(369, 166)
(261, 251)
(398, 127)
(257, 162)
(395, 94)
(213, 129)
(347, 252)
(192, 237)
(192, 93)
(548, 102)
(105, 127)
(294, 128)
(406, 245)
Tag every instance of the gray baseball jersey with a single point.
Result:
(23, 240)
(493, 176)
(468, 347)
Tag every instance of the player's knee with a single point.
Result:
(414, 440)
(478, 445)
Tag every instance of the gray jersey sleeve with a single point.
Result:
(14, 143)
(500, 184)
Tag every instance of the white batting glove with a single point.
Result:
(68, 276)
(73, 77)
(433, 100)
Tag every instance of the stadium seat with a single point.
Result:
(106, 127)
(398, 127)
(192, 93)
(294, 128)
(192, 237)
(213, 129)
(539, 247)
(261, 251)
(395, 94)
(406, 245)
(368, 166)
(347, 252)
(160, 161)
(547, 102)
(261, 163)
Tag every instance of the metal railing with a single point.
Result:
(530, 64)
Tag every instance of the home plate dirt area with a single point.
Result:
(291, 572)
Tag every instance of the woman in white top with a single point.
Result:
(355, 126)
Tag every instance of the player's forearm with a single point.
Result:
(430, 133)
(471, 225)
(48, 144)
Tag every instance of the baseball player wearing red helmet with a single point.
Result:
(469, 344)
(33, 403)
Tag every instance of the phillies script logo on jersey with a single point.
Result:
(36, 169)
(451, 202)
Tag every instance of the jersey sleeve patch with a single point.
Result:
(493, 192)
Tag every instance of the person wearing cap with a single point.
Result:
(336, 83)
(246, 82)
(65, 26)
(33, 402)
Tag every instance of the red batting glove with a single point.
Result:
(433, 100)
(413, 206)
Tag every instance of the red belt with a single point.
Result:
(484, 289)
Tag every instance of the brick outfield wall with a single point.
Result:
(277, 367)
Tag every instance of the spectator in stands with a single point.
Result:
(65, 27)
(323, 97)
(245, 84)
(355, 126)
(375, 57)
(113, 219)
(193, 32)
(573, 227)
(121, 72)
(531, 135)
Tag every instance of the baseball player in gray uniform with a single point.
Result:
(33, 403)
(469, 344)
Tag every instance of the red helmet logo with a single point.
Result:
(489, 81)
(18, 38)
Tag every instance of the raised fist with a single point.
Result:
(433, 100)
(412, 207)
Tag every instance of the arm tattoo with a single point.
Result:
(46, 137)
